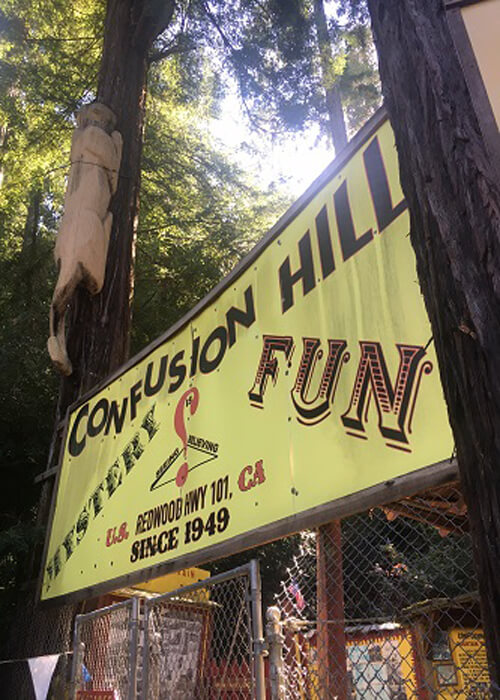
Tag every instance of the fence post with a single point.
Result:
(275, 641)
(145, 652)
(331, 639)
(257, 631)
(134, 639)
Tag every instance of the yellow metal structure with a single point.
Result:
(171, 582)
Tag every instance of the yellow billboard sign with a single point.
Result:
(380, 664)
(465, 674)
(383, 666)
(309, 374)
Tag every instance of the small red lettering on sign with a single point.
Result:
(251, 476)
(114, 537)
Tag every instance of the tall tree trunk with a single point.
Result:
(98, 327)
(31, 224)
(98, 335)
(3, 146)
(336, 120)
(454, 203)
(29, 247)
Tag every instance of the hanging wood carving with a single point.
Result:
(83, 238)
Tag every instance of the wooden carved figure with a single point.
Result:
(83, 238)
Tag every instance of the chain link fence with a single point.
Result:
(37, 632)
(105, 650)
(382, 606)
(205, 640)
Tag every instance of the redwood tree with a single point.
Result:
(98, 337)
(336, 121)
(99, 326)
(454, 202)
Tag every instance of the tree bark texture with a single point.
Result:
(338, 131)
(99, 327)
(98, 333)
(454, 202)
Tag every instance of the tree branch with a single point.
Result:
(178, 47)
(155, 17)
(217, 26)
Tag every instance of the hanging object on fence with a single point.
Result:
(42, 669)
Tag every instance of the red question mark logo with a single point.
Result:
(190, 399)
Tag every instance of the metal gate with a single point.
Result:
(105, 650)
(202, 641)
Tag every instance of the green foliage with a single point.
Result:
(48, 61)
(199, 212)
(358, 79)
(390, 565)
(272, 51)
(28, 385)
(17, 543)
